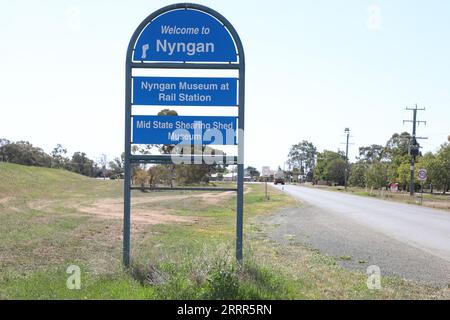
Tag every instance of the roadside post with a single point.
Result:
(170, 43)
(422, 175)
(265, 189)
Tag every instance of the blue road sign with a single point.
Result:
(184, 130)
(185, 35)
(185, 91)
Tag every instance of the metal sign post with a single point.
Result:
(422, 175)
(421, 192)
(184, 36)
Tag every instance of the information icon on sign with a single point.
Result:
(145, 47)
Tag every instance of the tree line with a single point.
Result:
(25, 153)
(376, 166)
(170, 174)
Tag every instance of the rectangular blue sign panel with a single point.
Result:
(184, 130)
(185, 91)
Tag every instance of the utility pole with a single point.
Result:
(413, 144)
(265, 189)
(347, 131)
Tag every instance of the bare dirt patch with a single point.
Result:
(211, 198)
(4, 200)
(215, 198)
(42, 204)
(113, 209)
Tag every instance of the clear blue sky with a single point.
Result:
(313, 68)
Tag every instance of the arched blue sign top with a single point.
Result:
(185, 35)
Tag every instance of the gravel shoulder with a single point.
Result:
(356, 245)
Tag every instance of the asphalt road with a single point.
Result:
(404, 240)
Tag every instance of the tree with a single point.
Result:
(252, 172)
(23, 152)
(371, 153)
(438, 167)
(167, 112)
(81, 164)
(167, 148)
(58, 157)
(396, 169)
(192, 174)
(167, 174)
(398, 145)
(116, 166)
(141, 177)
(295, 172)
(404, 174)
(336, 171)
(303, 156)
(197, 173)
(3, 142)
(330, 167)
(358, 174)
(443, 156)
(376, 175)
